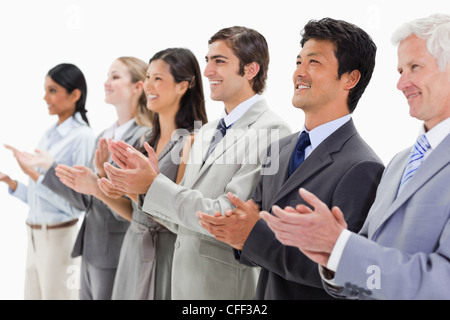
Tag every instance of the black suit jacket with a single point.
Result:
(342, 171)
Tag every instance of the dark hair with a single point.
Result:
(70, 77)
(184, 67)
(249, 46)
(354, 50)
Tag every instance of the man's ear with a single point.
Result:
(251, 70)
(352, 79)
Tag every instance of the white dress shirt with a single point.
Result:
(319, 134)
(239, 111)
(116, 132)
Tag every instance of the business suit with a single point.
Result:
(101, 234)
(342, 171)
(406, 238)
(204, 268)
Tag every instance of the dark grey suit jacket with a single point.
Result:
(101, 234)
(342, 171)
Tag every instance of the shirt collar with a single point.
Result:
(437, 133)
(239, 111)
(319, 134)
(64, 128)
(119, 131)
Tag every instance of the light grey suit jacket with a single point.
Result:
(204, 268)
(403, 249)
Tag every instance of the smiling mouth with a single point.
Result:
(412, 96)
(151, 97)
(214, 82)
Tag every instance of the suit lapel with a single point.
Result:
(239, 129)
(316, 161)
(431, 166)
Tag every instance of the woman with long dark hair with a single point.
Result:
(52, 226)
(175, 95)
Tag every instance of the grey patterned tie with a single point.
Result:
(220, 133)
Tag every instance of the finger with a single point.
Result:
(67, 182)
(213, 220)
(274, 223)
(107, 188)
(213, 231)
(119, 159)
(116, 177)
(252, 203)
(9, 147)
(66, 176)
(238, 203)
(290, 209)
(339, 216)
(301, 208)
(122, 144)
(64, 170)
(80, 168)
(118, 152)
(228, 213)
(152, 157)
(111, 170)
(310, 198)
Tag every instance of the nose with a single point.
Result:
(299, 72)
(209, 70)
(147, 84)
(46, 97)
(403, 82)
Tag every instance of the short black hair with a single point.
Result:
(354, 50)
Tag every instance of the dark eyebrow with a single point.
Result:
(217, 56)
(312, 54)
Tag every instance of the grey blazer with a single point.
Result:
(204, 268)
(102, 231)
(403, 250)
(342, 171)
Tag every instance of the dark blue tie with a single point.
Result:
(299, 152)
(218, 135)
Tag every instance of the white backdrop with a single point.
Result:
(37, 35)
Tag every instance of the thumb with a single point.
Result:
(339, 216)
(152, 157)
(150, 150)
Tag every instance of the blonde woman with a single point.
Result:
(102, 232)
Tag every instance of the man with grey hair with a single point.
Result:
(403, 249)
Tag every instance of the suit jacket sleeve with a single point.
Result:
(180, 204)
(354, 195)
(76, 199)
(177, 204)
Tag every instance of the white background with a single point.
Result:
(37, 35)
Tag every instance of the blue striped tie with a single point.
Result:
(415, 160)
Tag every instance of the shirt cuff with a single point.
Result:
(338, 249)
